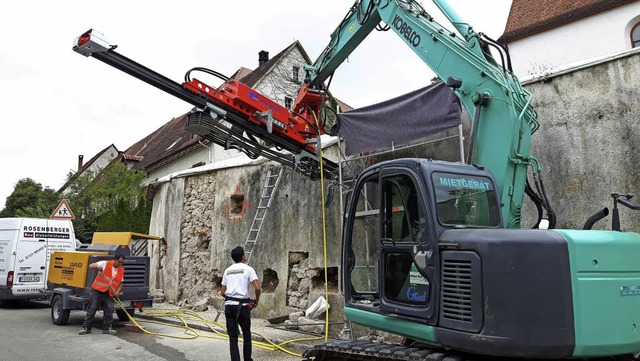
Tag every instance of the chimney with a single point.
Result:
(80, 164)
(263, 57)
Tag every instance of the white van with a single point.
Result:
(26, 245)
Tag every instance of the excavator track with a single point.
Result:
(359, 350)
(369, 351)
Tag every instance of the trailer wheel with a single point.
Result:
(122, 316)
(59, 316)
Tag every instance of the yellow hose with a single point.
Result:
(217, 328)
(324, 237)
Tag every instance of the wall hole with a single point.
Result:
(236, 204)
(217, 282)
(269, 280)
(317, 281)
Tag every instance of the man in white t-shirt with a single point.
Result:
(237, 304)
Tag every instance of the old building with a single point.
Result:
(579, 59)
(546, 35)
(93, 167)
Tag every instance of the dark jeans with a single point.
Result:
(96, 299)
(238, 315)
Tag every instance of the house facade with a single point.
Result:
(94, 166)
(579, 60)
(545, 36)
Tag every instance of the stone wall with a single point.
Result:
(588, 140)
(204, 216)
(165, 220)
(196, 275)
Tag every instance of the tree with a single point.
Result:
(30, 199)
(111, 200)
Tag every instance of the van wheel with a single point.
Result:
(59, 316)
(122, 316)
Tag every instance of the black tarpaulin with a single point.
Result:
(415, 115)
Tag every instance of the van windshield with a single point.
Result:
(465, 200)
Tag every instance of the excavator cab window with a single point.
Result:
(465, 200)
(365, 241)
(403, 281)
(404, 214)
(404, 225)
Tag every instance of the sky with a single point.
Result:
(56, 104)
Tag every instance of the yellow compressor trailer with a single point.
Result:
(69, 278)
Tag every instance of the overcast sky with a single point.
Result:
(56, 104)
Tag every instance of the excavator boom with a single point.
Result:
(503, 119)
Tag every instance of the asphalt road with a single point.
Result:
(27, 334)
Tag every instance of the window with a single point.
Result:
(404, 214)
(365, 239)
(635, 36)
(465, 200)
(288, 102)
(296, 74)
(403, 281)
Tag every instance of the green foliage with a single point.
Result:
(30, 199)
(84, 228)
(113, 200)
(126, 218)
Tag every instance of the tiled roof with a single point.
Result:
(168, 140)
(241, 73)
(344, 107)
(529, 17)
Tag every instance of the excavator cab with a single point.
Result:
(399, 210)
(426, 256)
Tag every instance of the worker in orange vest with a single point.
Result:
(106, 286)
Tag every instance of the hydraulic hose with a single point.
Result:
(536, 201)
(596, 217)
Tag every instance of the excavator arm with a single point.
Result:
(233, 115)
(502, 117)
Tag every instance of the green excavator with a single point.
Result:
(432, 251)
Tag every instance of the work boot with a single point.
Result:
(84, 331)
(110, 331)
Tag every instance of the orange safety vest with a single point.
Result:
(102, 283)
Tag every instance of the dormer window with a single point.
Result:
(635, 36)
(296, 74)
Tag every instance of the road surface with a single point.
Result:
(27, 334)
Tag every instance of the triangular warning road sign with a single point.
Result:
(63, 211)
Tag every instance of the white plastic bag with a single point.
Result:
(317, 308)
